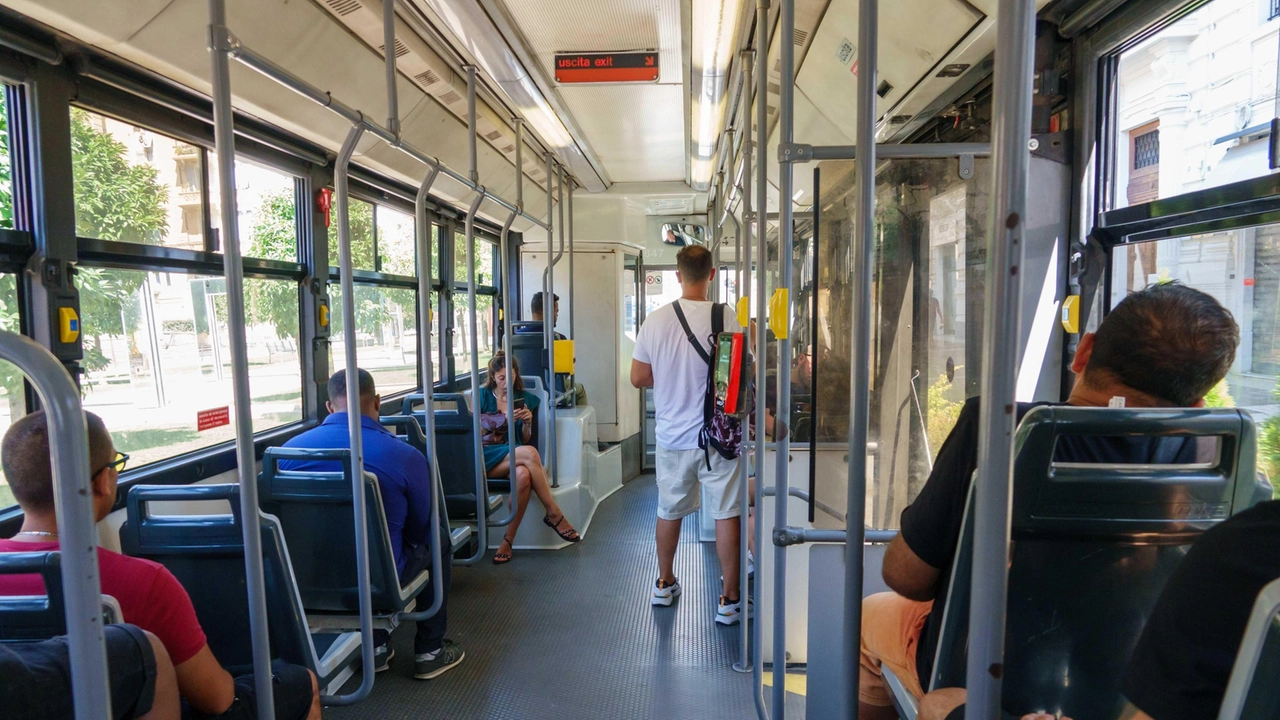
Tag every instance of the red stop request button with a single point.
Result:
(209, 419)
(607, 67)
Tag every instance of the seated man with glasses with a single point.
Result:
(149, 595)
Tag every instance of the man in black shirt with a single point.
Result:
(1165, 346)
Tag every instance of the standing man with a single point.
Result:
(535, 310)
(666, 360)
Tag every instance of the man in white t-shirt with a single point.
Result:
(666, 360)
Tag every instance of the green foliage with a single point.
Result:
(1220, 396)
(114, 200)
(6, 174)
(942, 413)
(1269, 445)
(361, 235)
(274, 236)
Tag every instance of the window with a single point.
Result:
(386, 335)
(135, 185)
(484, 254)
(157, 356)
(1208, 82)
(1273, 9)
(1241, 269)
(485, 309)
(396, 244)
(266, 206)
(361, 235)
(6, 172)
(14, 405)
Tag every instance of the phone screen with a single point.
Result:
(519, 404)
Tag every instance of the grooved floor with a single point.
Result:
(571, 634)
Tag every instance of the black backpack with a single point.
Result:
(719, 431)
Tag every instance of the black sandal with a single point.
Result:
(569, 535)
(502, 558)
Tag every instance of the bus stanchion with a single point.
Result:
(762, 254)
(77, 531)
(482, 482)
(220, 46)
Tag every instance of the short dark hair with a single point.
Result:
(694, 263)
(25, 452)
(1169, 341)
(535, 305)
(338, 385)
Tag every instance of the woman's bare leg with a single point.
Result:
(528, 457)
(521, 492)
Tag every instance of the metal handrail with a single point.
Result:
(423, 239)
(233, 270)
(73, 498)
(762, 227)
(744, 290)
(354, 418)
(482, 482)
(548, 321)
(997, 418)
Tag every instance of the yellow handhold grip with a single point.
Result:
(744, 311)
(779, 310)
(563, 352)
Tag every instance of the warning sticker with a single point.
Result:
(209, 419)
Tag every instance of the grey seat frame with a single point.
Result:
(1262, 622)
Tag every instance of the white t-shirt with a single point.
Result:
(679, 374)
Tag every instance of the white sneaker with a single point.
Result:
(751, 564)
(731, 613)
(664, 594)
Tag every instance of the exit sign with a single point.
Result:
(606, 67)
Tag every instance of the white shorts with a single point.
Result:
(682, 472)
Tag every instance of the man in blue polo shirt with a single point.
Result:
(405, 483)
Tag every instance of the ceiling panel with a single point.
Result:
(636, 130)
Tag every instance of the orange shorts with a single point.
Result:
(891, 628)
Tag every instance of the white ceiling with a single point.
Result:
(637, 130)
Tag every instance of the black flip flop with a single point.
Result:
(501, 558)
(570, 535)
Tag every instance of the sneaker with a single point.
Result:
(664, 594)
(751, 564)
(382, 658)
(730, 613)
(427, 667)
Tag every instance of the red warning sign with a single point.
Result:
(606, 67)
(209, 419)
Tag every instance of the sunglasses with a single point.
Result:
(119, 463)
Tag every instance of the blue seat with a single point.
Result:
(529, 349)
(315, 509)
(410, 430)
(1093, 546)
(40, 617)
(455, 449)
(1252, 693)
(206, 554)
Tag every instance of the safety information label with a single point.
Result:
(209, 419)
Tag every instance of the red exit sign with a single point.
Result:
(606, 67)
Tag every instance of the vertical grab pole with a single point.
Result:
(233, 269)
(519, 123)
(474, 173)
(389, 56)
(423, 226)
(505, 270)
(69, 457)
(859, 368)
(482, 484)
(549, 333)
(354, 430)
(1011, 113)
(997, 414)
(785, 234)
(744, 290)
(569, 387)
(762, 254)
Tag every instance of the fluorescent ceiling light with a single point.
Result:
(796, 197)
(715, 30)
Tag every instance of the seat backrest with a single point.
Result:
(456, 452)
(529, 350)
(316, 511)
(1093, 545)
(206, 554)
(33, 617)
(1252, 693)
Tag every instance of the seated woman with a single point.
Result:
(497, 452)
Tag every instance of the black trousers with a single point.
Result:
(430, 633)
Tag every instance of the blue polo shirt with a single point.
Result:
(403, 476)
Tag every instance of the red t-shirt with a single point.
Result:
(149, 596)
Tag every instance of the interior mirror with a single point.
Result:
(682, 234)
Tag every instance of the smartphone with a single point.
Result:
(519, 404)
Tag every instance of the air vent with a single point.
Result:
(884, 88)
(777, 65)
(900, 119)
(953, 70)
(401, 49)
(493, 135)
(801, 36)
(775, 89)
(344, 7)
(509, 148)
(450, 98)
(427, 78)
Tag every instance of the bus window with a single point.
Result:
(1194, 102)
(14, 404)
(1241, 269)
(362, 236)
(396, 254)
(265, 201)
(386, 335)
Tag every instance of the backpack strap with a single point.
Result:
(693, 340)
